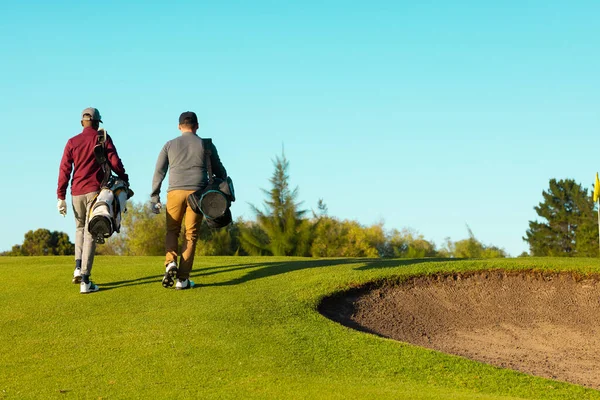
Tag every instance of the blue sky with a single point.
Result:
(429, 115)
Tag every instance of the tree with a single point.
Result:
(14, 251)
(43, 242)
(469, 248)
(281, 229)
(333, 238)
(473, 248)
(408, 243)
(568, 227)
(142, 233)
(220, 242)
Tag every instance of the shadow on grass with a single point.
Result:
(263, 270)
(268, 269)
(131, 282)
(392, 263)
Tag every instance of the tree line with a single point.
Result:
(283, 228)
(43, 242)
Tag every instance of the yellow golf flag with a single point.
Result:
(596, 188)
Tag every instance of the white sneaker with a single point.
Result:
(185, 284)
(170, 274)
(90, 287)
(77, 275)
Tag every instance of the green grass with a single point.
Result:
(249, 330)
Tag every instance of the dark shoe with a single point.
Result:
(170, 274)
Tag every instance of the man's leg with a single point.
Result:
(175, 210)
(85, 246)
(176, 204)
(192, 226)
(79, 213)
(89, 244)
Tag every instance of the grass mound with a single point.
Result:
(250, 329)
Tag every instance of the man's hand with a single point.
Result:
(156, 207)
(62, 207)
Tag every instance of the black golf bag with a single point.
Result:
(214, 200)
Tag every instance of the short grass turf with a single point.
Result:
(249, 329)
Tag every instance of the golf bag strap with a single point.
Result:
(101, 137)
(207, 144)
(101, 141)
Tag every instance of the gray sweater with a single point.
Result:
(185, 158)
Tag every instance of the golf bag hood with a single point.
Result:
(104, 217)
(214, 202)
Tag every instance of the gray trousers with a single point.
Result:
(85, 246)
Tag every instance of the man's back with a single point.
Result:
(184, 156)
(79, 156)
(87, 172)
(186, 162)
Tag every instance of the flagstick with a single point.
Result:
(599, 225)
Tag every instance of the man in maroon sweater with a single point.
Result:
(78, 158)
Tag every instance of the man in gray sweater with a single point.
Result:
(184, 156)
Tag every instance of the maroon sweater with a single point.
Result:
(78, 157)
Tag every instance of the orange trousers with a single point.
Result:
(178, 211)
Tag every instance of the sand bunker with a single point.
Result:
(541, 324)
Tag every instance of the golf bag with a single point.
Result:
(214, 200)
(104, 215)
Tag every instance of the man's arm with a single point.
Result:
(64, 172)
(217, 167)
(114, 160)
(162, 165)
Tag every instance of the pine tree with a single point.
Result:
(570, 228)
(281, 229)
